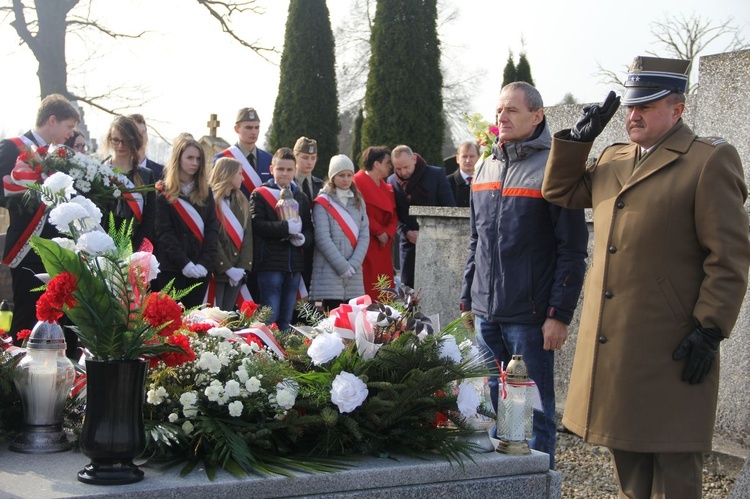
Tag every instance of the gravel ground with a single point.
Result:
(587, 472)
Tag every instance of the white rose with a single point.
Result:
(61, 184)
(214, 391)
(245, 348)
(449, 348)
(348, 392)
(232, 388)
(173, 417)
(190, 413)
(252, 385)
(214, 313)
(209, 362)
(468, 400)
(95, 243)
(242, 374)
(325, 347)
(235, 409)
(187, 427)
(286, 393)
(156, 396)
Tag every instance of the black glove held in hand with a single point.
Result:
(700, 347)
(595, 118)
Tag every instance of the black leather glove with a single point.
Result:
(595, 118)
(700, 347)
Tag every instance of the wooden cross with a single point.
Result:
(213, 124)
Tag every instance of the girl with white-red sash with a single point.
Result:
(123, 141)
(342, 236)
(235, 249)
(187, 229)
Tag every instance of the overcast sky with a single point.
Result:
(187, 68)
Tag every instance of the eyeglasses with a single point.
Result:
(80, 147)
(117, 142)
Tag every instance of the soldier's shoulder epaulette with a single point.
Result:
(712, 141)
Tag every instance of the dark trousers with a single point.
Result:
(663, 475)
(408, 255)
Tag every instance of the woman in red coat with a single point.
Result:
(381, 212)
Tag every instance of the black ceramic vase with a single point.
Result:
(113, 433)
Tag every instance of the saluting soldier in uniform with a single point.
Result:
(671, 258)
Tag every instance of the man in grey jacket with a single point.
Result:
(526, 257)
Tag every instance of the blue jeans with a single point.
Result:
(499, 342)
(278, 290)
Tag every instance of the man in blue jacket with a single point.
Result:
(526, 259)
(415, 183)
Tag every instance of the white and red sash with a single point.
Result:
(236, 232)
(191, 217)
(250, 177)
(16, 184)
(270, 195)
(133, 199)
(231, 224)
(342, 216)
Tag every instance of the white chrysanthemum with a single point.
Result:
(348, 392)
(235, 409)
(468, 400)
(64, 214)
(286, 393)
(60, 184)
(213, 391)
(95, 243)
(188, 399)
(209, 362)
(242, 374)
(65, 243)
(232, 388)
(325, 347)
(155, 396)
(187, 427)
(252, 385)
(173, 417)
(449, 348)
(83, 185)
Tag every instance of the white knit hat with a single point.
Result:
(339, 163)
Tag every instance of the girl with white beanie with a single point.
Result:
(342, 237)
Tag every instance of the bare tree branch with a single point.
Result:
(230, 8)
(82, 23)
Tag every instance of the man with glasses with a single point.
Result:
(55, 122)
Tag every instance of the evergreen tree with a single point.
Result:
(307, 102)
(403, 99)
(523, 70)
(509, 73)
(357, 136)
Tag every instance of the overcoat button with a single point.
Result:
(620, 205)
(609, 294)
(612, 249)
(602, 339)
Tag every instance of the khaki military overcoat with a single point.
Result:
(671, 251)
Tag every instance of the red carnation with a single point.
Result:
(45, 309)
(174, 359)
(23, 334)
(248, 308)
(23, 157)
(61, 153)
(200, 327)
(42, 151)
(61, 288)
(161, 309)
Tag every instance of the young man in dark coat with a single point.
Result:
(415, 183)
(460, 180)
